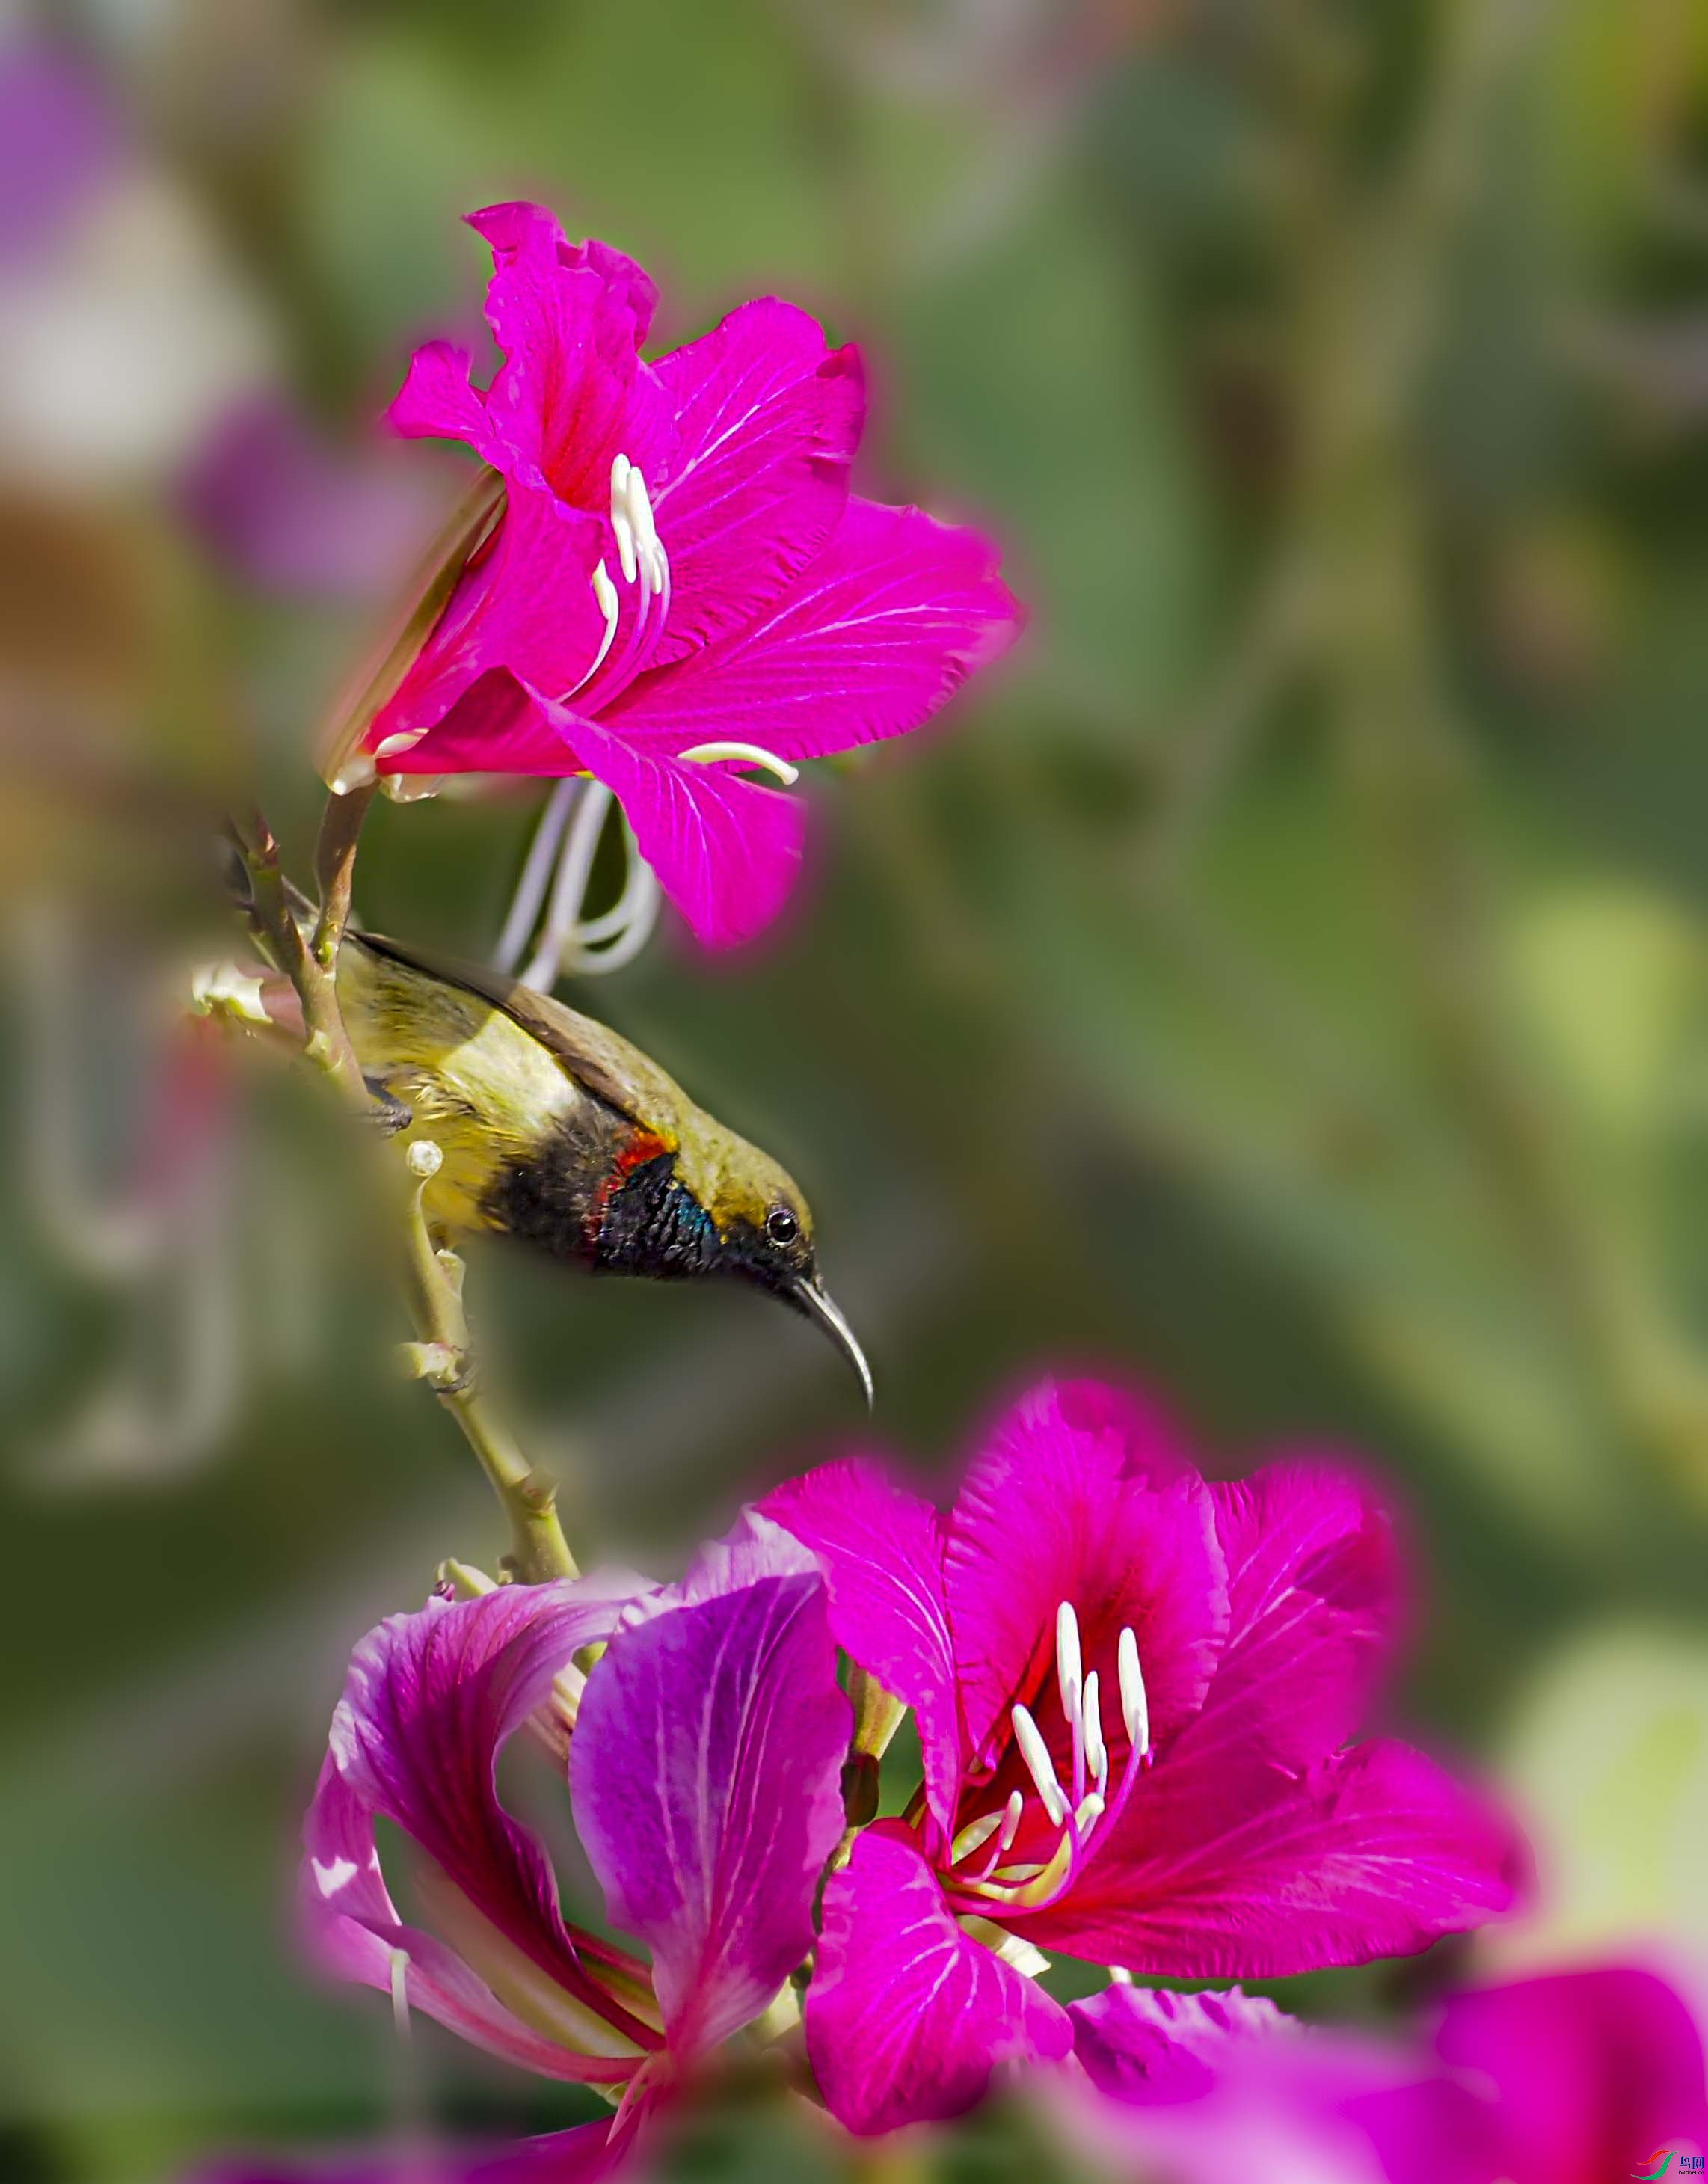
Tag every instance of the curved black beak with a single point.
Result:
(811, 1297)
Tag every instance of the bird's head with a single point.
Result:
(713, 1204)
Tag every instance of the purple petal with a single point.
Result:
(1221, 1872)
(62, 141)
(876, 634)
(1589, 2071)
(351, 1929)
(1145, 2045)
(705, 1773)
(1313, 1590)
(725, 851)
(572, 392)
(1071, 1502)
(768, 420)
(881, 1550)
(580, 2155)
(431, 1698)
(906, 2016)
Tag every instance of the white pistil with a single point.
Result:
(1091, 1712)
(1011, 1821)
(745, 754)
(1036, 1754)
(1135, 1712)
(1070, 1673)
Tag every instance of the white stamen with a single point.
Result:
(1036, 1754)
(1090, 1811)
(393, 745)
(640, 508)
(974, 1837)
(1091, 1712)
(1011, 1821)
(622, 523)
(400, 1992)
(1069, 1673)
(1135, 1714)
(745, 754)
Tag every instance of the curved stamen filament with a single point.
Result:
(745, 754)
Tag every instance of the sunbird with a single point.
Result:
(554, 1129)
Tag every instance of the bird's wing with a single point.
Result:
(595, 1056)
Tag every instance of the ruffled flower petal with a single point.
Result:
(1070, 1501)
(881, 1550)
(1148, 2045)
(705, 1773)
(906, 2016)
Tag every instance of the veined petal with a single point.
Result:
(352, 1929)
(881, 1550)
(877, 632)
(727, 852)
(1220, 1874)
(767, 422)
(705, 1773)
(437, 401)
(1078, 1497)
(906, 2016)
(430, 1699)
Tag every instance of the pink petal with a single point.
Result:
(431, 1700)
(768, 420)
(875, 635)
(906, 2016)
(1589, 2071)
(725, 851)
(436, 402)
(1224, 1872)
(1146, 2045)
(881, 1550)
(524, 606)
(572, 392)
(580, 2155)
(1080, 1498)
(705, 1772)
(1313, 1587)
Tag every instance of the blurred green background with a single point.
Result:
(1286, 982)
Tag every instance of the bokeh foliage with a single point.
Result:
(1286, 983)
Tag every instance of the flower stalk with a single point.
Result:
(440, 1354)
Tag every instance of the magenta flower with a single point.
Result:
(1133, 1691)
(680, 584)
(704, 1766)
(1570, 2078)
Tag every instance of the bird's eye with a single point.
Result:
(782, 1225)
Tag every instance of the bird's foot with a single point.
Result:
(390, 1113)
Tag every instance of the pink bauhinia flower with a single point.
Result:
(1574, 2077)
(677, 584)
(1133, 1691)
(704, 1752)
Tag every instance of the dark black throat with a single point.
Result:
(652, 1224)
